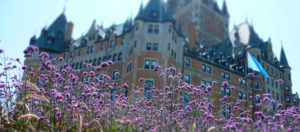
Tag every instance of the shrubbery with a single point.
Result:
(62, 102)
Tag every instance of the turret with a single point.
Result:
(286, 78)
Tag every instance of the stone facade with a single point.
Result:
(190, 35)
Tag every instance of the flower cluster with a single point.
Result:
(61, 101)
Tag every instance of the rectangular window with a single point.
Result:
(228, 92)
(153, 64)
(101, 46)
(156, 29)
(240, 95)
(187, 79)
(227, 76)
(149, 85)
(257, 99)
(208, 69)
(203, 82)
(120, 57)
(223, 90)
(287, 89)
(79, 52)
(288, 100)
(203, 68)
(150, 28)
(115, 75)
(187, 62)
(185, 100)
(129, 67)
(256, 85)
(169, 46)
(208, 83)
(147, 64)
(155, 47)
(148, 46)
(223, 75)
(244, 96)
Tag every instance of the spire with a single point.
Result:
(155, 10)
(224, 9)
(283, 60)
(59, 24)
(93, 27)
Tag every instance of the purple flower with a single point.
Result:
(225, 84)
(2, 85)
(1, 51)
(86, 125)
(125, 85)
(141, 79)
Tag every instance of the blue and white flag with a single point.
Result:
(255, 65)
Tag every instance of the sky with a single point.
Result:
(21, 19)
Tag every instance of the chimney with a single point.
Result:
(192, 36)
(68, 35)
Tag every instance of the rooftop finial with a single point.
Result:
(65, 5)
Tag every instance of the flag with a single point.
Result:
(255, 65)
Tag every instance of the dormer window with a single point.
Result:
(83, 41)
(49, 42)
(154, 14)
(60, 35)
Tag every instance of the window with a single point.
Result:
(227, 76)
(208, 69)
(155, 47)
(49, 42)
(203, 68)
(208, 83)
(185, 100)
(115, 58)
(126, 92)
(169, 46)
(150, 28)
(60, 35)
(153, 63)
(156, 29)
(244, 96)
(187, 62)
(228, 92)
(148, 46)
(115, 75)
(257, 99)
(154, 14)
(226, 110)
(79, 52)
(223, 90)
(288, 100)
(203, 82)
(256, 85)
(287, 89)
(148, 86)
(147, 64)
(187, 79)
(84, 79)
(112, 44)
(129, 67)
(101, 46)
(120, 57)
(223, 75)
(112, 92)
(94, 62)
(240, 95)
